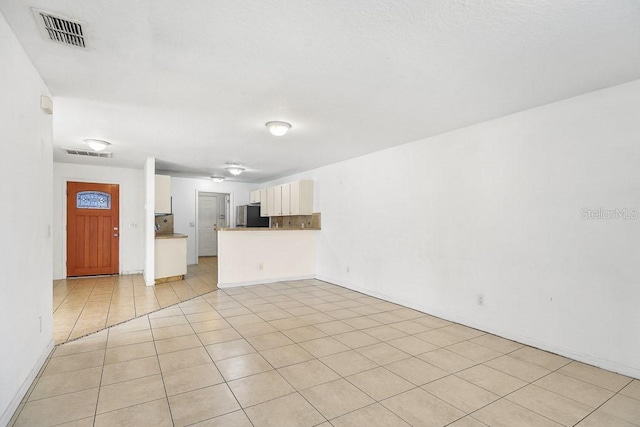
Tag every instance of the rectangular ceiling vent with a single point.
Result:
(60, 29)
(77, 152)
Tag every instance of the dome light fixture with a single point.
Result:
(278, 128)
(234, 169)
(217, 178)
(97, 144)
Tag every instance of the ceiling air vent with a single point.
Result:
(77, 152)
(60, 29)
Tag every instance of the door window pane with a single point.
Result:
(93, 200)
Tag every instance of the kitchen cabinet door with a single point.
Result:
(170, 257)
(301, 197)
(254, 197)
(264, 203)
(271, 201)
(163, 194)
(277, 200)
(286, 199)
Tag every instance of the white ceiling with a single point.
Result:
(192, 83)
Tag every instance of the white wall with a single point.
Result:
(496, 209)
(26, 170)
(183, 192)
(149, 221)
(131, 182)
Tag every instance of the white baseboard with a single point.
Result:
(263, 281)
(15, 402)
(609, 365)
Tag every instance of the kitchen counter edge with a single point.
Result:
(171, 236)
(269, 229)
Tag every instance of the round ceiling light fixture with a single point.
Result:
(97, 144)
(278, 128)
(234, 169)
(217, 178)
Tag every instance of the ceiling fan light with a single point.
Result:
(278, 128)
(97, 144)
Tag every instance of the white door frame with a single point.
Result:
(229, 213)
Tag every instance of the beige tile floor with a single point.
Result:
(85, 305)
(308, 353)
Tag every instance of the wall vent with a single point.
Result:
(77, 152)
(60, 29)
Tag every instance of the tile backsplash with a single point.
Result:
(297, 221)
(164, 224)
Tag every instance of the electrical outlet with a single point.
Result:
(480, 299)
(40, 321)
(347, 268)
(261, 266)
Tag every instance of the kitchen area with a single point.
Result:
(170, 248)
(269, 239)
(274, 238)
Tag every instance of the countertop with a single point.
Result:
(171, 236)
(269, 229)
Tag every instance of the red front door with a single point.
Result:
(93, 229)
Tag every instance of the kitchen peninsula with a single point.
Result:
(249, 256)
(284, 251)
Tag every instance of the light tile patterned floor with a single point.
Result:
(308, 353)
(85, 305)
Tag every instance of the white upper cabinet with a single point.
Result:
(286, 200)
(264, 203)
(163, 194)
(293, 198)
(301, 197)
(277, 200)
(271, 202)
(254, 197)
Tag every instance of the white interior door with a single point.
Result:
(207, 224)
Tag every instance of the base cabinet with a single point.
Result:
(170, 257)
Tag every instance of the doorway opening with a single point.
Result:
(213, 212)
(93, 229)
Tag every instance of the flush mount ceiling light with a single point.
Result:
(217, 178)
(97, 144)
(234, 169)
(278, 128)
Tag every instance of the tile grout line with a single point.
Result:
(532, 383)
(296, 391)
(164, 386)
(106, 320)
(266, 301)
(80, 313)
(104, 357)
(214, 363)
